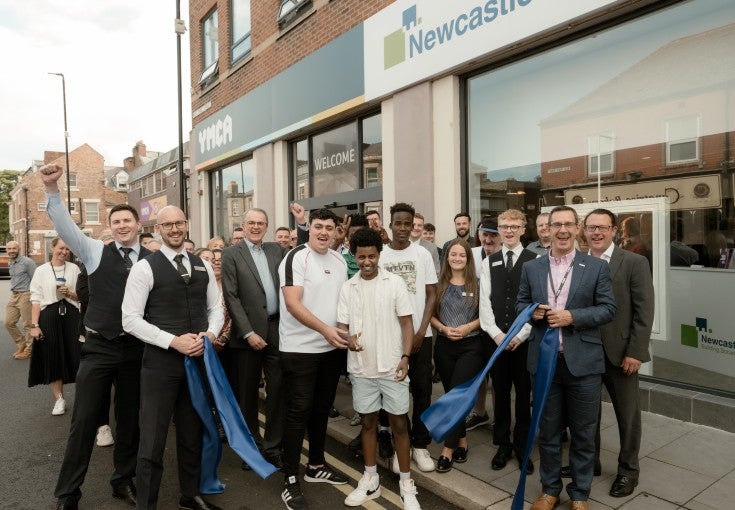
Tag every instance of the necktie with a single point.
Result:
(509, 262)
(180, 267)
(126, 257)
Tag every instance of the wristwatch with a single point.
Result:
(35, 325)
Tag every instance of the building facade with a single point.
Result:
(91, 199)
(481, 105)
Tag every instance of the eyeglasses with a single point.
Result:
(260, 224)
(170, 224)
(597, 228)
(568, 225)
(512, 228)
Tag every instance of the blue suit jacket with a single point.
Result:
(591, 302)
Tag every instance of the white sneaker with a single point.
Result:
(367, 488)
(408, 494)
(104, 436)
(59, 407)
(423, 459)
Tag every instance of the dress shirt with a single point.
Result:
(558, 267)
(21, 271)
(139, 285)
(487, 316)
(261, 262)
(607, 254)
(87, 249)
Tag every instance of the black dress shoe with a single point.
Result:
(623, 486)
(460, 455)
(444, 464)
(67, 505)
(500, 459)
(276, 460)
(126, 493)
(196, 503)
(333, 413)
(566, 471)
(530, 468)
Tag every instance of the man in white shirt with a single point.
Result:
(413, 263)
(312, 351)
(501, 276)
(172, 303)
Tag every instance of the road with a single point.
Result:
(32, 445)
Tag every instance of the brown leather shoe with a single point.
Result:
(545, 502)
(580, 505)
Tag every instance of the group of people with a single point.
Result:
(387, 306)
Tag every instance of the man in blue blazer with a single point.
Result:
(575, 295)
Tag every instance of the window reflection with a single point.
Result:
(232, 195)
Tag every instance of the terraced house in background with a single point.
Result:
(485, 105)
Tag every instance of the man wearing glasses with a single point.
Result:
(576, 298)
(109, 356)
(172, 303)
(501, 275)
(625, 341)
(250, 287)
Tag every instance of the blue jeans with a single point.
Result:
(581, 398)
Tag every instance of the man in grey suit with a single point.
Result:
(625, 339)
(576, 297)
(250, 287)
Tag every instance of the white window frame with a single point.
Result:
(73, 181)
(290, 10)
(595, 153)
(238, 41)
(87, 205)
(672, 139)
(210, 36)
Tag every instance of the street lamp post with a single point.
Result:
(66, 143)
(180, 28)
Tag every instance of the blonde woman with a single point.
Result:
(55, 316)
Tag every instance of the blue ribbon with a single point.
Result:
(548, 353)
(238, 435)
(454, 406)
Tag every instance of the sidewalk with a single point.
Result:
(683, 465)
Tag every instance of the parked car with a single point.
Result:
(4, 262)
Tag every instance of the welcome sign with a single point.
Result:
(412, 40)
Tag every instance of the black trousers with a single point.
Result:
(623, 390)
(165, 394)
(309, 392)
(510, 371)
(103, 363)
(420, 372)
(250, 364)
(457, 363)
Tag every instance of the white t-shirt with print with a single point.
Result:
(321, 276)
(415, 266)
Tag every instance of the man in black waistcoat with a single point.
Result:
(499, 282)
(109, 355)
(172, 303)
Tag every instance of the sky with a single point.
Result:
(118, 58)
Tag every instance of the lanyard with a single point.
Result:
(561, 285)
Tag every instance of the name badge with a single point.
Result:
(498, 263)
(582, 265)
(200, 268)
(471, 294)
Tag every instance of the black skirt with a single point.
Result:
(56, 355)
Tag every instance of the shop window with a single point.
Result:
(335, 160)
(682, 140)
(210, 48)
(232, 189)
(240, 27)
(290, 10)
(601, 159)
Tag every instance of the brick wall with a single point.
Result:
(88, 165)
(273, 50)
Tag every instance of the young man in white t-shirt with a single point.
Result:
(312, 351)
(375, 307)
(413, 263)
